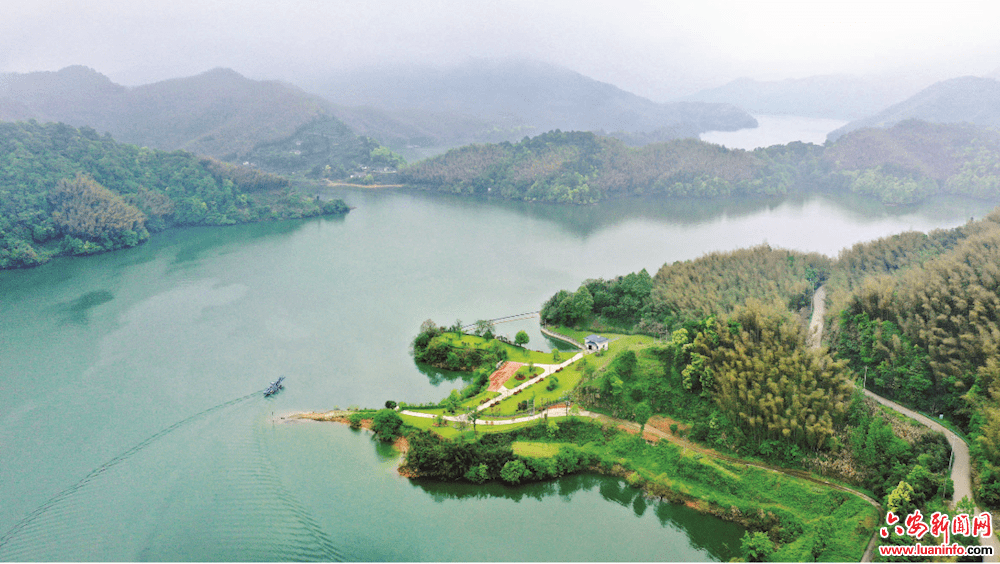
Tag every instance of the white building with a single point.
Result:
(596, 343)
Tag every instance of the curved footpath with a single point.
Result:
(961, 472)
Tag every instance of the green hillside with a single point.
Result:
(900, 165)
(65, 191)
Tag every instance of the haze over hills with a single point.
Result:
(419, 110)
(968, 99)
(490, 101)
(218, 113)
(827, 96)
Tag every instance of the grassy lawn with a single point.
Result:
(513, 382)
(535, 449)
(475, 400)
(452, 432)
(516, 354)
(568, 379)
(426, 424)
(572, 333)
(471, 402)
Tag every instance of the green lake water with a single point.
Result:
(131, 427)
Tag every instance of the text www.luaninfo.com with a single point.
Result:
(941, 525)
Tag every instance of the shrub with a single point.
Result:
(514, 471)
(355, 420)
(386, 424)
(757, 547)
(477, 474)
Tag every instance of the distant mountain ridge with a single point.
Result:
(217, 113)
(826, 96)
(967, 99)
(492, 101)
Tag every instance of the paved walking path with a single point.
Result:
(548, 369)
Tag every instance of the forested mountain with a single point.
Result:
(968, 99)
(828, 96)
(927, 333)
(581, 167)
(217, 113)
(900, 165)
(69, 191)
(492, 101)
(915, 316)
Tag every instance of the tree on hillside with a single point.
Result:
(642, 414)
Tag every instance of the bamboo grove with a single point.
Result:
(915, 317)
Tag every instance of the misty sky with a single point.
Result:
(658, 49)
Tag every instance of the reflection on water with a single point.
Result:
(76, 311)
(719, 538)
(586, 221)
(436, 376)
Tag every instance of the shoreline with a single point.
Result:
(633, 477)
(341, 416)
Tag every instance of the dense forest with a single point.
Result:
(67, 191)
(689, 290)
(900, 165)
(915, 317)
(928, 336)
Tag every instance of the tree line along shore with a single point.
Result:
(718, 346)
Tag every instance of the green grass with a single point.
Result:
(516, 354)
(474, 400)
(513, 382)
(452, 432)
(426, 424)
(535, 449)
(569, 378)
(753, 492)
(575, 334)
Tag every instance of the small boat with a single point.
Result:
(274, 387)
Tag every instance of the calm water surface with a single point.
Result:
(775, 130)
(130, 428)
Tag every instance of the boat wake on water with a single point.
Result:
(200, 489)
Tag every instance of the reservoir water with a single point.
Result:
(131, 427)
(775, 130)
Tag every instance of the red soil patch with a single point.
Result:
(500, 377)
(402, 445)
(663, 424)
